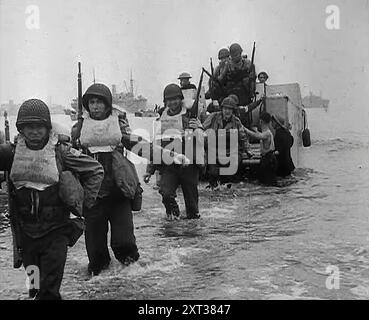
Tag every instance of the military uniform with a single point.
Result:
(43, 216)
(186, 75)
(216, 122)
(104, 139)
(216, 92)
(239, 78)
(174, 175)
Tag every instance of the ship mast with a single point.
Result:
(131, 83)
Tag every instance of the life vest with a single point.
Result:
(35, 169)
(169, 127)
(101, 135)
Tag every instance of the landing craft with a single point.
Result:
(282, 100)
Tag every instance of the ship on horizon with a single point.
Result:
(123, 101)
(312, 101)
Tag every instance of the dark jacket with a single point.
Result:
(51, 212)
(283, 141)
(215, 121)
(239, 79)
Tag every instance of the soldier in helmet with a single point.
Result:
(172, 124)
(184, 80)
(223, 56)
(225, 120)
(238, 76)
(37, 163)
(216, 92)
(243, 111)
(104, 134)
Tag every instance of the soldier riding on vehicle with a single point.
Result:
(184, 80)
(238, 76)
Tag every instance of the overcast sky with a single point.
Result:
(158, 39)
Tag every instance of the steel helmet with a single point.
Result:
(235, 98)
(229, 102)
(98, 90)
(223, 53)
(234, 49)
(184, 75)
(33, 111)
(172, 91)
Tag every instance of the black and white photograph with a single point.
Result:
(184, 154)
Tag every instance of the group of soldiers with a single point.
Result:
(88, 174)
(232, 91)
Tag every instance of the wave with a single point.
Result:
(343, 143)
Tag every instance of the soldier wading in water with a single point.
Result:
(172, 125)
(103, 134)
(38, 164)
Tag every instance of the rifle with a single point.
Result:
(212, 77)
(252, 85)
(253, 54)
(14, 225)
(79, 105)
(211, 67)
(79, 108)
(195, 107)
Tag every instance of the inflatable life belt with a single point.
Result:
(101, 135)
(169, 127)
(35, 169)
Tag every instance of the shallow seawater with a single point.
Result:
(252, 242)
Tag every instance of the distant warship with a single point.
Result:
(313, 101)
(126, 101)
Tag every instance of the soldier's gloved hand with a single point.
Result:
(146, 177)
(181, 159)
(194, 123)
